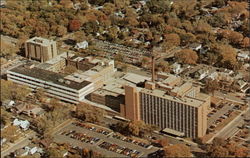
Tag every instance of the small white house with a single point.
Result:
(195, 46)
(201, 74)
(177, 68)
(23, 124)
(213, 75)
(8, 103)
(243, 56)
(82, 45)
(3, 140)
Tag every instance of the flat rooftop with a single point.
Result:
(172, 131)
(135, 78)
(41, 41)
(103, 92)
(184, 100)
(49, 76)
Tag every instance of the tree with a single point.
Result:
(51, 119)
(79, 36)
(171, 40)
(108, 8)
(241, 152)
(203, 27)
(163, 66)
(145, 61)
(10, 133)
(74, 25)
(70, 69)
(186, 56)
(226, 53)
(233, 36)
(163, 142)
(136, 128)
(245, 43)
(211, 86)
(133, 128)
(119, 57)
(5, 116)
(121, 3)
(61, 30)
(13, 91)
(66, 3)
(8, 49)
(178, 150)
(219, 151)
(89, 113)
(159, 6)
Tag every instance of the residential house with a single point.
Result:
(31, 149)
(213, 75)
(82, 45)
(8, 103)
(176, 68)
(200, 74)
(28, 109)
(195, 46)
(243, 86)
(23, 124)
(243, 56)
(3, 140)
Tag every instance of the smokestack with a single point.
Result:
(153, 68)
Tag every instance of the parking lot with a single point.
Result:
(102, 140)
(223, 111)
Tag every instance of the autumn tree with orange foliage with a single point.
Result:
(233, 36)
(74, 25)
(89, 113)
(245, 43)
(178, 150)
(163, 142)
(227, 54)
(186, 56)
(171, 40)
(221, 148)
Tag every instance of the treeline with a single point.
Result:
(129, 22)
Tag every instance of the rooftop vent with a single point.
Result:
(61, 80)
(38, 41)
(67, 82)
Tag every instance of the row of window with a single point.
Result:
(52, 92)
(168, 114)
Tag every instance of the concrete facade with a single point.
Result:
(175, 105)
(40, 49)
(71, 88)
